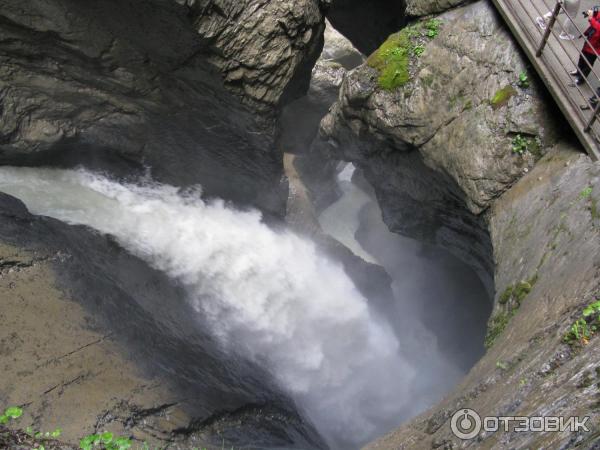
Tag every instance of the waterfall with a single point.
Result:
(268, 295)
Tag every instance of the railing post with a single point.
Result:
(549, 28)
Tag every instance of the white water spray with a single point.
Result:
(268, 294)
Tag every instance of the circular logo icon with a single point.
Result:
(465, 424)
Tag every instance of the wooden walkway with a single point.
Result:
(557, 60)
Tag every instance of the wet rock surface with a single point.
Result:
(176, 86)
(425, 7)
(529, 370)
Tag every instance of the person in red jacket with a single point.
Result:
(591, 48)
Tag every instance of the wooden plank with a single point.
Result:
(559, 57)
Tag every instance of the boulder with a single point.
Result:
(442, 125)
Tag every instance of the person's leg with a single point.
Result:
(569, 30)
(584, 66)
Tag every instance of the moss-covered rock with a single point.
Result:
(459, 95)
(502, 96)
(393, 59)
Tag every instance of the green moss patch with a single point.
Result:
(502, 96)
(510, 299)
(394, 57)
(392, 60)
(496, 326)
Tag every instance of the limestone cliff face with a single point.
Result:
(464, 155)
(160, 84)
(264, 49)
(546, 238)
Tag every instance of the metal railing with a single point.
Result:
(594, 106)
(564, 52)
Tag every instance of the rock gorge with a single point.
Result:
(209, 92)
(437, 150)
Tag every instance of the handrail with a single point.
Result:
(563, 47)
(549, 29)
(554, 59)
(560, 42)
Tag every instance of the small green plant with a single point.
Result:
(519, 144)
(586, 193)
(13, 412)
(502, 365)
(39, 435)
(392, 61)
(98, 441)
(418, 50)
(432, 27)
(506, 295)
(105, 441)
(585, 327)
(586, 196)
(523, 80)
(522, 289)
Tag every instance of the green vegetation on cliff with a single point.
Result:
(393, 58)
(521, 145)
(47, 441)
(510, 301)
(585, 327)
(42, 441)
(502, 96)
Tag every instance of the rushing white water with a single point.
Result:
(268, 294)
